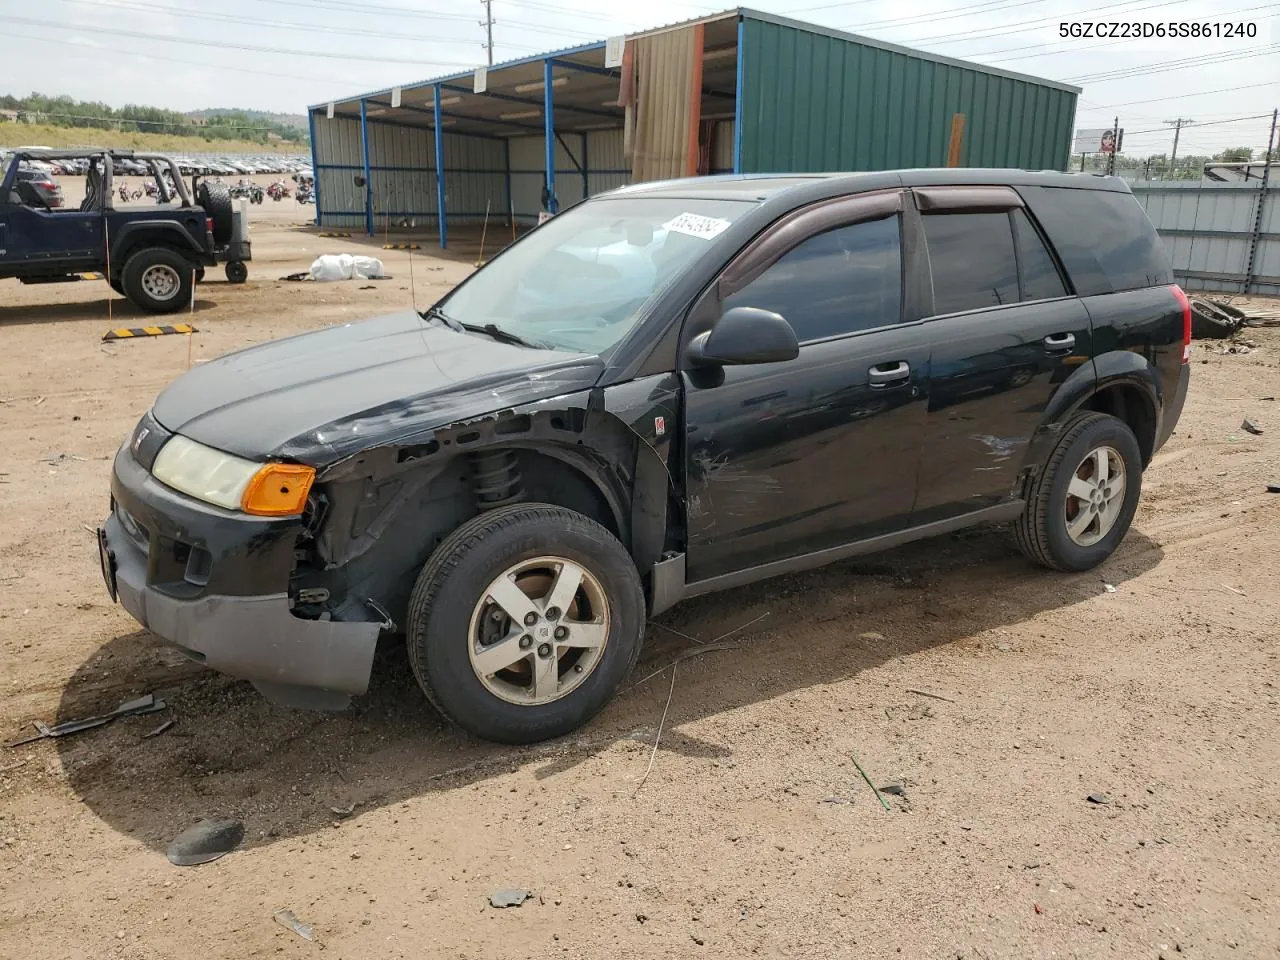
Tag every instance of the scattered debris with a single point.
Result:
(1251, 426)
(130, 708)
(1098, 798)
(368, 286)
(39, 400)
(1004, 647)
(343, 811)
(894, 790)
(926, 693)
(205, 841)
(1234, 590)
(1211, 320)
(871, 636)
(1038, 908)
(14, 766)
(159, 730)
(882, 800)
(297, 277)
(286, 919)
(704, 648)
(1109, 587)
(508, 897)
(1273, 488)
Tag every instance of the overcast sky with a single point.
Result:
(65, 47)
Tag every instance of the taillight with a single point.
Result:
(47, 184)
(1185, 304)
(208, 224)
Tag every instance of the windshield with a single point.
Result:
(578, 282)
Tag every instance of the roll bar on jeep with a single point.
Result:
(154, 161)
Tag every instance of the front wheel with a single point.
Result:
(524, 622)
(1080, 505)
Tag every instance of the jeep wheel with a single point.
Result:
(1081, 504)
(236, 271)
(158, 280)
(524, 622)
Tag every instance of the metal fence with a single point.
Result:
(1222, 237)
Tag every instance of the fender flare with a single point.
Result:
(1116, 368)
(169, 232)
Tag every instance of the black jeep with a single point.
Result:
(152, 255)
(667, 390)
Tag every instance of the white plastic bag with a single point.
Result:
(344, 266)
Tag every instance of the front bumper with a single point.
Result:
(215, 583)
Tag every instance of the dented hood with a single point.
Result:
(320, 396)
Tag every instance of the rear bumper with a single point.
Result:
(216, 585)
(1173, 406)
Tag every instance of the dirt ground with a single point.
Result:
(754, 833)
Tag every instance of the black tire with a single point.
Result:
(1041, 531)
(215, 200)
(199, 274)
(167, 263)
(454, 581)
(236, 271)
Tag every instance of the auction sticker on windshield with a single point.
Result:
(693, 225)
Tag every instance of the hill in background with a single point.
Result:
(212, 126)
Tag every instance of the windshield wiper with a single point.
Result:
(435, 313)
(502, 336)
(489, 329)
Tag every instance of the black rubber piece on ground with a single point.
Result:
(450, 585)
(1210, 321)
(1041, 531)
(215, 199)
(139, 262)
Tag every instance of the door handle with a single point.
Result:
(884, 374)
(1060, 341)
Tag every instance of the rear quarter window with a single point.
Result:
(1103, 238)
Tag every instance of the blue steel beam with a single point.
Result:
(524, 101)
(368, 182)
(440, 174)
(737, 100)
(315, 163)
(549, 132)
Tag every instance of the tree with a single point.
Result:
(1235, 155)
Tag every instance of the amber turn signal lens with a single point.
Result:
(278, 490)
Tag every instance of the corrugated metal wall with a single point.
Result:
(402, 174)
(605, 165)
(814, 102)
(1208, 228)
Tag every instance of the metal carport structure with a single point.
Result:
(739, 91)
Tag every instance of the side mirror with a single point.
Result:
(745, 335)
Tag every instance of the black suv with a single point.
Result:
(152, 255)
(667, 390)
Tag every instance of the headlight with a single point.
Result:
(263, 489)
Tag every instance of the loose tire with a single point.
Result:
(524, 622)
(215, 200)
(236, 271)
(1080, 505)
(158, 279)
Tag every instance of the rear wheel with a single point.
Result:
(236, 271)
(1080, 505)
(524, 622)
(158, 279)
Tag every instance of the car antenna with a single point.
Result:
(413, 293)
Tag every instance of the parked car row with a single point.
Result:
(235, 166)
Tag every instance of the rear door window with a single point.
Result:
(1103, 238)
(972, 260)
(1037, 272)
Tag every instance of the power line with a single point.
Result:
(1163, 66)
(990, 7)
(245, 21)
(1026, 26)
(252, 48)
(1182, 96)
(113, 56)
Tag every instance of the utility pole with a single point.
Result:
(487, 23)
(1177, 125)
(1115, 147)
